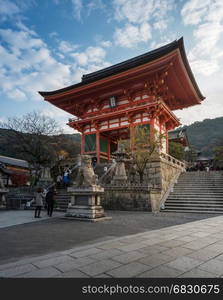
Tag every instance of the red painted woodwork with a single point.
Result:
(146, 93)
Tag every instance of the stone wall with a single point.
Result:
(160, 175)
(163, 173)
(127, 197)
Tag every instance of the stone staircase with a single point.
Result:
(198, 192)
(62, 199)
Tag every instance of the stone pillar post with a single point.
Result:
(155, 196)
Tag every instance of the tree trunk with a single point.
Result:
(141, 177)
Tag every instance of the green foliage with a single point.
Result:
(206, 135)
(176, 150)
(218, 151)
(141, 146)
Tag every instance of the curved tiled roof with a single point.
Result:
(131, 63)
(14, 162)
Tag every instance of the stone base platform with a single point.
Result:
(86, 219)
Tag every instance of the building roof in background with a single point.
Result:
(179, 135)
(14, 162)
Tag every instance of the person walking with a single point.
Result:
(59, 180)
(50, 200)
(39, 203)
(65, 178)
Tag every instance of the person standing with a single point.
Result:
(50, 200)
(39, 203)
(65, 178)
(59, 180)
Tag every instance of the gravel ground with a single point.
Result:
(58, 234)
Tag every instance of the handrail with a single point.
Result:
(106, 173)
(172, 159)
(170, 187)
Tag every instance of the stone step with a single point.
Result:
(192, 203)
(62, 199)
(193, 211)
(196, 182)
(196, 195)
(199, 182)
(201, 178)
(201, 208)
(198, 192)
(199, 200)
(198, 188)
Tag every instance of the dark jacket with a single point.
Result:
(50, 197)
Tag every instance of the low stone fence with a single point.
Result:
(126, 197)
(160, 175)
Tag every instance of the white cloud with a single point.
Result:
(140, 18)
(17, 94)
(160, 25)
(131, 35)
(83, 8)
(141, 11)
(29, 66)
(209, 109)
(207, 15)
(208, 35)
(89, 56)
(106, 44)
(8, 9)
(66, 47)
(53, 34)
(77, 9)
(194, 11)
(204, 66)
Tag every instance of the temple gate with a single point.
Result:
(144, 90)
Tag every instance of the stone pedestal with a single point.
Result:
(3, 192)
(45, 180)
(86, 204)
(120, 174)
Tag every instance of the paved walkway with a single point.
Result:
(14, 217)
(194, 249)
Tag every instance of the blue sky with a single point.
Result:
(49, 44)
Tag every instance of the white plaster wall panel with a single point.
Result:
(104, 123)
(123, 102)
(124, 119)
(145, 119)
(113, 125)
(124, 123)
(114, 121)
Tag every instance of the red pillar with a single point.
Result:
(109, 149)
(152, 130)
(98, 146)
(82, 143)
(167, 142)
